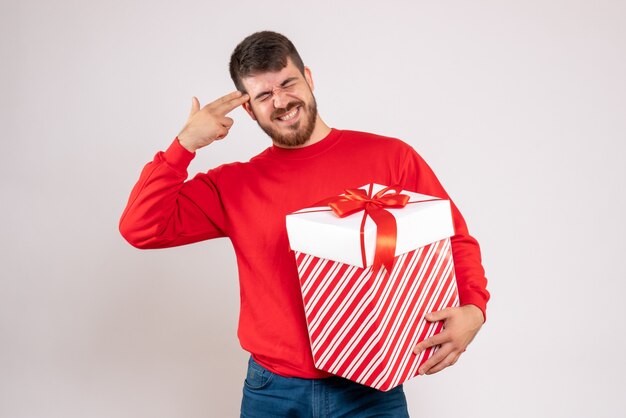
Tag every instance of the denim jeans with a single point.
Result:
(266, 394)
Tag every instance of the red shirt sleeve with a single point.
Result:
(418, 177)
(164, 210)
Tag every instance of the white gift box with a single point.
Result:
(362, 323)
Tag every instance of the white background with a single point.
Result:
(519, 107)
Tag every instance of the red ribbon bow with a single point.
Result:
(356, 200)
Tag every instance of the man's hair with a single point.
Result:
(262, 52)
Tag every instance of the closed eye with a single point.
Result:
(290, 82)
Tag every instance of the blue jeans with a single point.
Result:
(267, 394)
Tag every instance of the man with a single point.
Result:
(247, 202)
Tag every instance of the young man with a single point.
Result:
(247, 202)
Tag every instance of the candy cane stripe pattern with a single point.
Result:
(363, 324)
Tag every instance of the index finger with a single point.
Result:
(229, 104)
(436, 339)
(228, 97)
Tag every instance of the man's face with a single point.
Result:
(283, 104)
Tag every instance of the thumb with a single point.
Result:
(195, 106)
(437, 315)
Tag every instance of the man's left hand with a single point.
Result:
(460, 326)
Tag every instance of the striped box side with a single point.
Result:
(364, 326)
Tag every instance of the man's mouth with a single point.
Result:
(290, 115)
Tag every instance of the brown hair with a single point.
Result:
(261, 52)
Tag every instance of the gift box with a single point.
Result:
(372, 262)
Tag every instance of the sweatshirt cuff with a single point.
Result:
(178, 156)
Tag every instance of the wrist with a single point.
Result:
(476, 311)
(185, 144)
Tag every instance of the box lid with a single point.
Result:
(319, 232)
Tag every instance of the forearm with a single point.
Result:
(158, 214)
(470, 274)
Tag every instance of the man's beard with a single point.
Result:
(300, 131)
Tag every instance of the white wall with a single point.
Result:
(518, 106)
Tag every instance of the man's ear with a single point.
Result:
(248, 109)
(308, 77)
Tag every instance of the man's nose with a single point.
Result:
(280, 98)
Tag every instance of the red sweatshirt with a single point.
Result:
(247, 202)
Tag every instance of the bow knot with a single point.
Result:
(356, 200)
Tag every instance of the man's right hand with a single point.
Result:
(209, 123)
